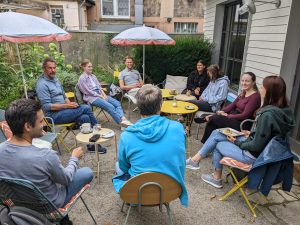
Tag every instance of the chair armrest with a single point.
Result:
(50, 124)
(247, 121)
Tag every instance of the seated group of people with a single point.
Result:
(154, 143)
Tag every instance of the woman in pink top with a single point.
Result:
(242, 108)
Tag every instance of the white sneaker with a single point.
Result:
(125, 123)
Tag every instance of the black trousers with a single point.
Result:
(217, 121)
(203, 106)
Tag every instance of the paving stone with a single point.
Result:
(267, 214)
(288, 213)
(295, 189)
(287, 195)
(258, 198)
(274, 197)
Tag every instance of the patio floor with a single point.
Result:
(204, 206)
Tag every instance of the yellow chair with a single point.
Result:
(116, 75)
(64, 130)
(150, 189)
(232, 163)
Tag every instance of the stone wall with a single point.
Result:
(92, 45)
(152, 8)
(184, 8)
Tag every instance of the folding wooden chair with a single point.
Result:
(19, 192)
(150, 189)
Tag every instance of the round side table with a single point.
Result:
(84, 138)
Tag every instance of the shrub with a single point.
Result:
(179, 59)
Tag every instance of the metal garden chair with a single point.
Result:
(150, 189)
(19, 192)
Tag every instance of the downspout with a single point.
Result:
(80, 14)
(139, 17)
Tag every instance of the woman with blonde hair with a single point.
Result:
(93, 94)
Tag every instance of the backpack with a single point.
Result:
(115, 91)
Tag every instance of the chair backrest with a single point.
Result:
(176, 82)
(2, 136)
(2, 114)
(78, 95)
(19, 192)
(150, 188)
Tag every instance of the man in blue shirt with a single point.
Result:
(54, 101)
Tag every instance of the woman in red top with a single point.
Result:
(242, 108)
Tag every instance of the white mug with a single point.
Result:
(85, 128)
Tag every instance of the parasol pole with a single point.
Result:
(21, 67)
(144, 63)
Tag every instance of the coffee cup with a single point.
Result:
(85, 128)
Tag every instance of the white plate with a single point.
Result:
(109, 134)
(230, 132)
(189, 107)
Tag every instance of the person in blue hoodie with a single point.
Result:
(153, 144)
(215, 93)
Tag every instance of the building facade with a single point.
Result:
(68, 14)
(170, 16)
(266, 42)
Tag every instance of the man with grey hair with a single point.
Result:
(153, 144)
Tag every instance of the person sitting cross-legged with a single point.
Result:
(20, 159)
(93, 94)
(274, 118)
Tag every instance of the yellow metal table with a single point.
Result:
(84, 138)
(182, 107)
(166, 93)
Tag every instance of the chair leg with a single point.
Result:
(128, 212)
(57, 146)
(122, 207)
(88, 210)
(198, 129)
(128, 109)
(238, 186)
(169, 213)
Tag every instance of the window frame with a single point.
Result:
(61, 8)
(115, 11)
(188, 24)
(232, 30)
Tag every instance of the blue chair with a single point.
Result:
(19, 192)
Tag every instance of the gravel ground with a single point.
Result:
(204, 206)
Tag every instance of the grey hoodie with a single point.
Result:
(216, 92)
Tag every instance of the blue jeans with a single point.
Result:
(112, 106)
(221, 147)
(81, 114)
(82, 177)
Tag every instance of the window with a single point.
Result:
(233, 42)
(57, 14)
(185, 27)
(115, 8)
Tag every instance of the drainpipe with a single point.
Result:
(139, 19)
(80, 14)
